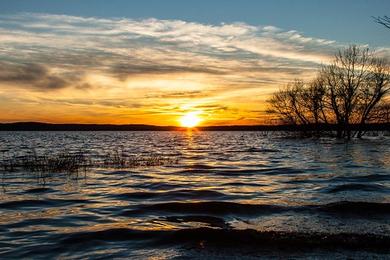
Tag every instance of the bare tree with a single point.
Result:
(313, 100)
(281, 105)
(290, 104)
(345, 93)
(344, 78)
(385, 21)
(383, 113)
(300, 104)
(296, 92)
(375, 88)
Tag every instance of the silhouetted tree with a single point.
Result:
(373, 90)
(345, 92)
(313, 100)
(344, 79)
(381, 113)
(281, 104)
(385, 21)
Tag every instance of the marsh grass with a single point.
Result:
(61, 162)
(71, 162)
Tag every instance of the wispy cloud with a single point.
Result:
(125, 46)
(127, 63)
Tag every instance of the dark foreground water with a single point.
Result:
(232, 194)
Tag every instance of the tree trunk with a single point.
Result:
(360, 132)
(339, 131)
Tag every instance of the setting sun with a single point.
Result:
(190, 119)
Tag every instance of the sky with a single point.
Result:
(151, 62)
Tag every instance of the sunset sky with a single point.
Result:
(152, 62)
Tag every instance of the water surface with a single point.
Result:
(238, 194)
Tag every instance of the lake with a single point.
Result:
(231, 194)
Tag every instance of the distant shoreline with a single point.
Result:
(37, 126)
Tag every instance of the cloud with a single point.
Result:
(126, 65)
(179, 94)
(124, 47)
(124, 71)
(36, 76)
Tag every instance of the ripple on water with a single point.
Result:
(358, 187)
(40, 203)
(182, 194)
(39, 190)
(209, 238)
(229, 190)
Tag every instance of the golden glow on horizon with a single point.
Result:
(114, 103)
(191, 119)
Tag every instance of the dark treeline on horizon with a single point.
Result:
(37, 126)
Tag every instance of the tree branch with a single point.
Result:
(385, 20)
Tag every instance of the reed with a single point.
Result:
(61, 162)
(70, 162)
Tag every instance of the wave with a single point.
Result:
(240, 243)
(200, 166)
(25, 204)
(356, 208)
(175, 194)
(209, 220)
(355, 187)
(39, 190)
(259, 239)
(262, 150)
(158, 185)
(362, 178)
(207, 207)
(265, 171)
(230, 238)
(243, 184)
(223, 208)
